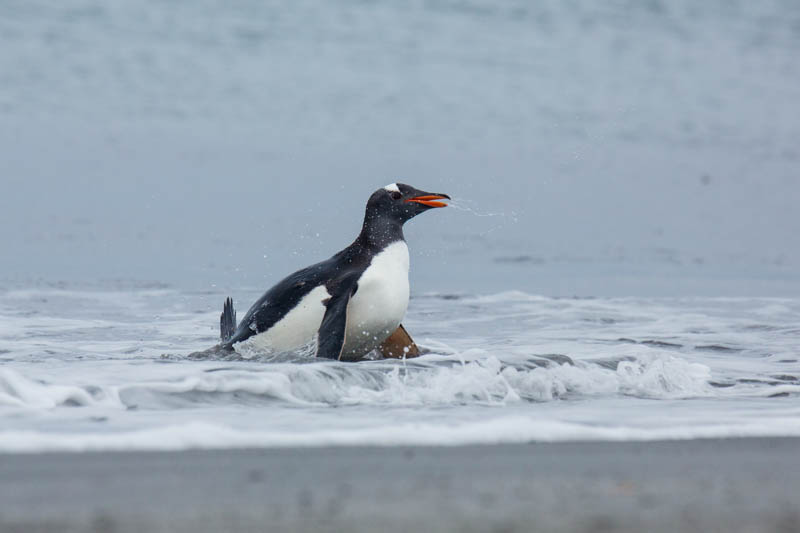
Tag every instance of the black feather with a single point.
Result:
(227, 321)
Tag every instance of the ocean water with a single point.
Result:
(108, 370)
(615, 148)
(620, 261)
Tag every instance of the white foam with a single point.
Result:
(481, 381)
(512, 429)
(18, 391)
(508, 367)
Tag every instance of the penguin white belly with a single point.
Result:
(298, 327)
(380, 303)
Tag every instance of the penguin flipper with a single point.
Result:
(333, 330)
(399, 345)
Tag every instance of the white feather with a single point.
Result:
(298, 327)
(381, 301)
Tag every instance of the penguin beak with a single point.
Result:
(430, 200)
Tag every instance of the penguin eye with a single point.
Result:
(396, 195)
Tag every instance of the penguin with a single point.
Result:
(349, 304)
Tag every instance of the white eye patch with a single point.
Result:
(392, 187)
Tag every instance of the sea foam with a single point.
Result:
(505, 367)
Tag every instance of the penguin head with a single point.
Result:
(400, 202)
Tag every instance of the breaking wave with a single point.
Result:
(436, 381)
(508, 367)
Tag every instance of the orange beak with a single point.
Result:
(430, 200)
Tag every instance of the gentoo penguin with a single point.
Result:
(351, 303)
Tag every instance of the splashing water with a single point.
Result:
(469, 206)
(96, 372)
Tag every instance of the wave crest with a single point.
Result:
(430, 381)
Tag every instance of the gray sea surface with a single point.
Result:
(601, 148)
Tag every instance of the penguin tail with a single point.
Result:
(227, 321)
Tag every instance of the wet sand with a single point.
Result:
(700, 485)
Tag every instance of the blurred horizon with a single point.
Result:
(614, 149)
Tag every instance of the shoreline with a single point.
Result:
(736, 484)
